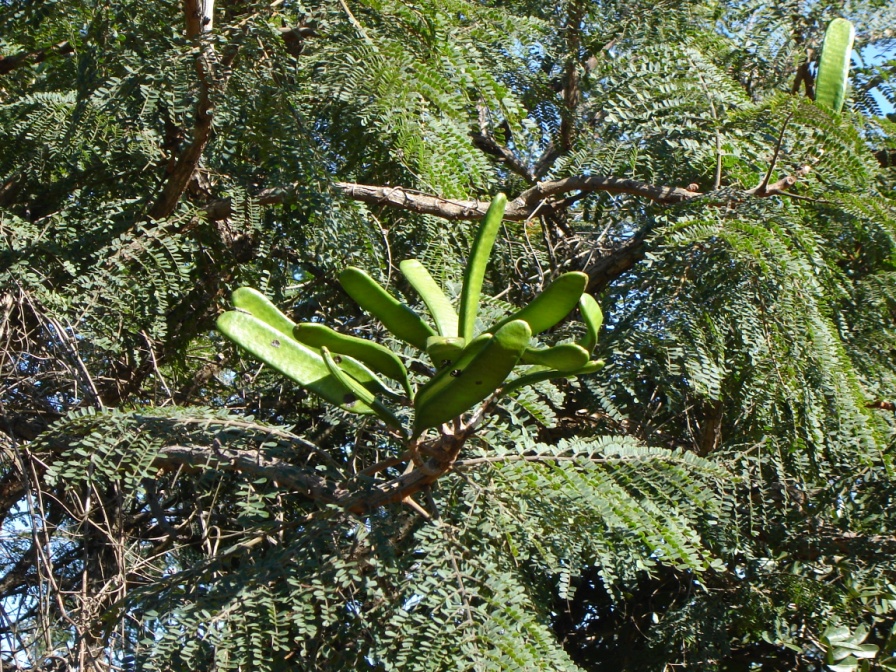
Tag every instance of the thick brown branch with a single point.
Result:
(199, 15)
(571, 94)
(358, 497)
(530, 199)
(711, 436)
(10, 63)
(12, 489)
(546, 160)
(805, 78)
(442, 454)
(521, 208)
(18, 573)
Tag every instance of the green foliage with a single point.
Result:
(475, 368)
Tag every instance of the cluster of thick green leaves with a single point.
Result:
(346, 370)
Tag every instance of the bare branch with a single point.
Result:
(805, 78)
(521, 208)
(609, 267)
(886, 157)
(761, 189)
(571, 93)
(199, 15)
(546, 160)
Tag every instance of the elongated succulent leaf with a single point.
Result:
(439, 305)
(398, 318)
(541, 374)
(593, 318)
(360, 391)
(566, 357)
(378, 357)
(476, 265)
(256, 303)
(552, 305)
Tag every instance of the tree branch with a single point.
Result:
(490, 146)
(199, 20)
(886, 157)
(609, 267)
(805, 78)
(10, 63)
(521, 208)
(571, 94)
(253, 463)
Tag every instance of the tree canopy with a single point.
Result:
(718, 497)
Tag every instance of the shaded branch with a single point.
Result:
(430, 460)
(711, 437)
(253, 463)
(10, 63)
(571, 93)
(886, 157)
(199, 15)
(546, 160)
(521, 208)
(486, 143)
(609, 267)
(805, 78)
(537, 198)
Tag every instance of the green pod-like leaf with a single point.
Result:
(833, 66)
(378, 357)
(542, 374)
(476, 265)
(359, 390)
(465, 386)
(289, 357)
(552, 305)
(258, 305)
(593, 318)
(444, 350)
(566, 357)
(439, 305)
(398, 318)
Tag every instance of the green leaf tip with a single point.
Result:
(552, 305)
(261, 307)
(378, 357)
(438, 304)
